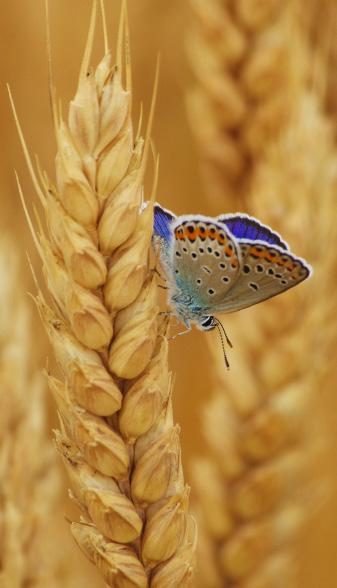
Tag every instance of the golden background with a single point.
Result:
(156, 26)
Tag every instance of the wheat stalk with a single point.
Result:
(118, 440)
(258, 425)
(249, 65)
(29, 475)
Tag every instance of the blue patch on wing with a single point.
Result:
(243, 227)
(162, 223)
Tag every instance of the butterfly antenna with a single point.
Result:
(228, 341)
(222, 344)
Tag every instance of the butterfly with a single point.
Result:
(221, 265)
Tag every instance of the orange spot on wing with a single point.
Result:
(179, 233)
(189, 235)
(229, 251)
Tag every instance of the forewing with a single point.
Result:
(206, 259)
(162, 221)
(163, 235)
(245, 227)
(266, 271)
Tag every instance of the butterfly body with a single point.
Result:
(223, 264)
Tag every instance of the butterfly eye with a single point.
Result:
(211, 292)
(198, 281)
(225, 279)
(208, 323)
(246, 269)
(222, 265)
(254, 286)
(178, 254)
(259, 268)
(216, 253)
(201, 250)
(194, 255)
(209, 249)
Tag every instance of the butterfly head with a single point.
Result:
(206, 323)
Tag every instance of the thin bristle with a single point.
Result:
(89, 44)
(104, 25)
(127, 52)
(150, 121)
(27, 215)
(52, 91)
(120, 37)
(25, 149)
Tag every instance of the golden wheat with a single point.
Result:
(30, 483)
(251, 497)
(118, 440)
(249, 64)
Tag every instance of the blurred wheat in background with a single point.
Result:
(30, 480)
(263, 447)
(246, 102)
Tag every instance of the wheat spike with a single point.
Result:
(30, 483)
(321, 20)
(259, 425)
(249, 65)
(118, 440)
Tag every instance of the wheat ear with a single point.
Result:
(321, 20)
(249, 64)
(118, 440)
(257, 422)
(29, 475)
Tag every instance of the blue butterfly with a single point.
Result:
(223, 264)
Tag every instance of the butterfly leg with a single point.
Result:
(187, 330)
(156, 271)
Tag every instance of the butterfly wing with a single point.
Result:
(205, 258)
(245, 227)
(162, 222)
(163, 234)
(266, 270)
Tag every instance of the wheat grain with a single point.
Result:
(30, 483)
(118, 440)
